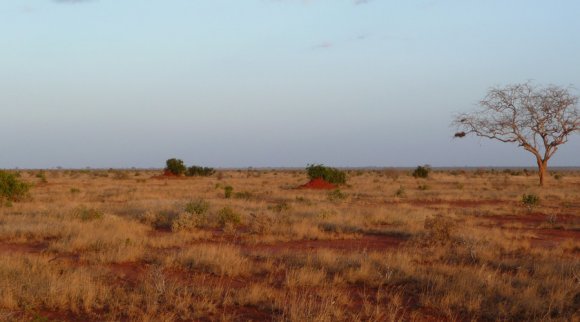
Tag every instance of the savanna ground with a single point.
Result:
(125, 246)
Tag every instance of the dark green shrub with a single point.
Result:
(175, 166)
(331, 175)
(228, 190)
(197, 171)
(228, 216)
(11, 188)
(530, 201)
(422, 172)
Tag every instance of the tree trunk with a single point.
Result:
(542, 170)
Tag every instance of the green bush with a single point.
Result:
(331, 175)
(422, 172)
(530, 201)
(11, 188)
(228, 190)
(228, 216)
(175, 166)
(197, 171)
(198, 207)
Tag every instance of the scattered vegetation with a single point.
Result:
(177, 250)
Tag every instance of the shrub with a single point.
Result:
(185, 222)
(228, 216)
(530, 201)
(261, 223)
(401, 192)
(87, 214)
(228, 190)
(336, 195)
(11, 188)
(42, 176)
(439, 229)
(280, 206)
(422, 172)
(331, 175)
(198, 207)
(175, 166)
(197, 171)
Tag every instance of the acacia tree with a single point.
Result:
(539, 119)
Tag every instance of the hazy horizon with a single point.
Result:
(270, 83)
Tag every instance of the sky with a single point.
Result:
(270, 83)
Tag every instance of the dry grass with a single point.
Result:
(119, 245)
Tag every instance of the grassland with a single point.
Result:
(125, 246)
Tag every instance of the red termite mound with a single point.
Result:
(318, 183)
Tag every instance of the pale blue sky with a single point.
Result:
(111, 83)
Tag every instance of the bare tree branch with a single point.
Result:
(539, 119)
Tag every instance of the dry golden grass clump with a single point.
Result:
(129, 246)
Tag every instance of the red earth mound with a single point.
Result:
(318, 183)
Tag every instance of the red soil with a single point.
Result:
(535, 219)
(367, 242)
(22, 248)
(318, 183)
(550, 238)
(167, 175)
(456, 203)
